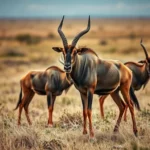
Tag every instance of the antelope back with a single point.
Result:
(140, 75)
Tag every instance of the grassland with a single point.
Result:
(111, 39)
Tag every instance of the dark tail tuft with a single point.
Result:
(20, 98)
(134, 99)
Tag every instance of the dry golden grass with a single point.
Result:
(111, 39)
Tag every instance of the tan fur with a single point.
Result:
(28, 89)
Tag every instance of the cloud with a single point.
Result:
(37, 7)
(132, 6)
(119, 8)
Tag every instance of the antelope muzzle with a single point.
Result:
(67, 67)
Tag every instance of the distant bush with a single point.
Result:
(103, 42)
(28, 39)
(15, 62)
(69, 26)
(66, 101)
(101, 28)
(132, 35)
(12, 53)
(129, 50)
(112, 50)
(51, 36)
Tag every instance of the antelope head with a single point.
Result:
(147, 57)
(69, 51)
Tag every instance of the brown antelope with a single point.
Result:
(50, 82)
(92, 75)
(141, 74)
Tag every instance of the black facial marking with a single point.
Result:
(67, 65)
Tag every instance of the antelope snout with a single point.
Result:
(67, 67)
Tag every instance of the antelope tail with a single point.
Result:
(20, 98)
(134, 99)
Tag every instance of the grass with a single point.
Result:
(110, 40)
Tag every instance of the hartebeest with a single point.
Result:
(141, 75)
(50, 82)
(92, 75)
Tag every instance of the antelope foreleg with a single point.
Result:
(90, 99)
(50, 103)
(84, 104)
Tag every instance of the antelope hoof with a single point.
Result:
(92, 139)
(103, 118)
(30, 123)
(125, 119)
(84, 131)
(50, 125)
(91, 134)
(136, 133)
(116, 129)
(19, 124)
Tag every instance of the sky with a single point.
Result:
(76, 8)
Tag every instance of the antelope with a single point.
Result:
(92, 75)
(141, 74)
(51, 82)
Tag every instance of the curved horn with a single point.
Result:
(74, 42)
(64, 40)
(145, 51)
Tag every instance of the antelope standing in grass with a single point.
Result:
(92, 75)
(141, 74)
(50, 82)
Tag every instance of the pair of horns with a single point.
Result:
(145, 51)
(74, 42)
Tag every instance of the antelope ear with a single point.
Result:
(82, 50)
(57, 49)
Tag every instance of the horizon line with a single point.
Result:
(75, 17)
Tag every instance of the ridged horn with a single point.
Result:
(64, 40)
(145, 51)
(74, 42)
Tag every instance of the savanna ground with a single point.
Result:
(26, 45)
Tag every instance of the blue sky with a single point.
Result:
(76, 8)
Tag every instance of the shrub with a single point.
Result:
(12, 53)
(66, 101)
(112, 50)
(24, 141)
(103, 42)
(68, 120)
(51, 36)
(129, 50)
(53, 145)
(132, 35)
(28, 39)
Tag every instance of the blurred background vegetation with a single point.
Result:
(26, 44)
